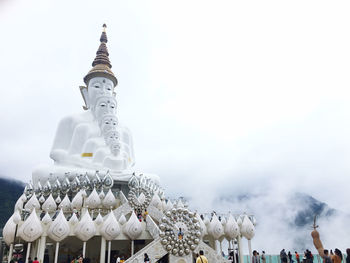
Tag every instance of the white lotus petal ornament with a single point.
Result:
(163, 205)
(46, 219)
(239, 221)
(85, 229)
(31, 229)
(83, 193)
(216, 229)
(16, 217)
(77, 201)
(231, 228)
(99, 219)
(59, 229)
(41, 199)
(122, 219)
(180, 204)
(223, 221)
(247, 228)
(107, 181)
(9, 231)
(110, 228)
(133, 228)
(109, 200)
(203, 228)
(93, 201)
(156, 202)
(50, 204)
(19, 204)
(74, 219)
(58, 200)
(101, 195)
(32, 203)
(169, 205)
(65, 204)
(24, 198)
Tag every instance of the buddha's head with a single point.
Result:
(112, 137)
(108, 123)
(99, 86)
(105, 105)
(115, 148)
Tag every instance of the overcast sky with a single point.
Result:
(230, 96)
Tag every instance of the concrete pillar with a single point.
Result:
(109, 251)
(132, 247)
(250, 251)
(240, 252)
(56, 251)
(28, 252)
(103, 250)
(84, 248)
(41, 249)
(10, 253)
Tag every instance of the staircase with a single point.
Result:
(154, 250)
(210, 253)
(152, 227)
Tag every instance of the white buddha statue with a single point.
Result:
(93, 139)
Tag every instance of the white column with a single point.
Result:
(28, 252)
(84, 249)
(250, 250)
(109, 251)
(10, 253)
(41, 250)
(56, 251)
(103, 250)
(240, 252)
(38, 247)
(132, 247)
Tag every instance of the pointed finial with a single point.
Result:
(101, 64)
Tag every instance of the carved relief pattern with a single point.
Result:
(180, 231)
(133, 228)
(9, 231)
(31, 229)
(110, 228)
(122, 210)
(85, 229)
(154, 250)
(59, 229)
(152, 227)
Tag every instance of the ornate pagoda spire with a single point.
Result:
(101, 64)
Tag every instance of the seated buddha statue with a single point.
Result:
(93, 139)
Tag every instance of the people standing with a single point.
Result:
(263, 257)
(283, 256)
(338, 256)
(297, 257)
(255, 258)
(146, 258)
(36, 260)
(290, 257)
(201, 258)
(348, 255)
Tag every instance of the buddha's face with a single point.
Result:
(108, 123)
(115, 148)
(99, 86)
(104, 106)
(112, 137)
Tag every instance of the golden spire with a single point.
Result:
(101, 64)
